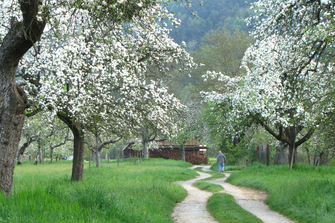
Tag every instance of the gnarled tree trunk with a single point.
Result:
(78, 146)
(13, 101)
(24, 147)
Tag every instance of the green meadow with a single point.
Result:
(142, 192)
(305, 194)
(146, 192)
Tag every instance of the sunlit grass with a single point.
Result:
(128, 193)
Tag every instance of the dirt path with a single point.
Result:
(193, 208)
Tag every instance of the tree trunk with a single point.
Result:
(108, 159)
(40, 156)
(283, 154)
(13, 100)
(145, 149)
(316, 159)
(308, 156)
(12, 115)
(97, 152)
(97, 157)
(78, 146)
(183, 154)
(51, 154)
(277, 156)
(292, 149)
(93, 155)
(19, 159)
(24, 147)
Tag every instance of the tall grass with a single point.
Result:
(305, 194)
(224, 209)
(128, 193)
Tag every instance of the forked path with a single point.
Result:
(193, 208)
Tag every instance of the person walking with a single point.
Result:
(220, 159)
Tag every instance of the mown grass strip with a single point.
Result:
(128, 193)
(223, 206)
(224, 209)
(208, 186)
(214, 175)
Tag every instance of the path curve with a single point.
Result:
(193, 208)
(250, 200)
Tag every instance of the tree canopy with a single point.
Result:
(288, 87)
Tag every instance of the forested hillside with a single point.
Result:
(213, 14)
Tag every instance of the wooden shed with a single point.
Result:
(195, 153)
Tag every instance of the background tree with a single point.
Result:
(220, 51)
(21, 32)
(23, 24)
(274, 91)
(96, 78)
(200, 19)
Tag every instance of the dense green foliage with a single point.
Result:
(219, 50)
(128, 193)
(306, 194)
(224, 209)
(213, 14)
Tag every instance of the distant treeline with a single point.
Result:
(213, 14)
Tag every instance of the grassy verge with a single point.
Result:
(223, 206)
(214, 174)
(305, 194)
(208, 187)
(128, 193)
(224, 209)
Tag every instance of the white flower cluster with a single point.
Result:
(103, 71)
(290, 74)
